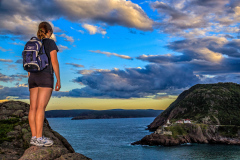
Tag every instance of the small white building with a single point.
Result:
(187, 121)
(179, 121)
(183, 121)
(168, 122)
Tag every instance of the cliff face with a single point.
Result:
(214, 110)
(15, 135)
(213, 104)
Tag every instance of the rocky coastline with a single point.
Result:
(15, 135)
(195, 134)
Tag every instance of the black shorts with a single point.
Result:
(40, 79)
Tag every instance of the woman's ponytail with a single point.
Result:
(43, 28)
(41, 34)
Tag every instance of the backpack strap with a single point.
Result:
(43, 51)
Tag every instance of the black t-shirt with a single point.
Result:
(49, 45)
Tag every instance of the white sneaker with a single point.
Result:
(44, 142)
(33, 141)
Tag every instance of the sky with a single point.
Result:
(118, 54)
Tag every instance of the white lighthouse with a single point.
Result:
(168, 122)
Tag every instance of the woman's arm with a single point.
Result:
(28, 74)
(55, 65)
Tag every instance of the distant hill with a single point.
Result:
(99, 114)
(214, 111)
(217, 103)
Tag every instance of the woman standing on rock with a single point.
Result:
(41, 87)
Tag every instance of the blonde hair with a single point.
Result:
(43, 29)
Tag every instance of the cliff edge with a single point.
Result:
(15, 135)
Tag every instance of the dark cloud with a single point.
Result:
(231, 48)
(235, 78)
(164, 58)
(228, 36)
(22, 92)
(17, 92)
(134, 82)
(5, 78)
(17, 77)
(226, 66)
(171, 79)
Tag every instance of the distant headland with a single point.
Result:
(102, 114)
(205, 113)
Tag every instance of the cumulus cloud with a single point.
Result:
(94, 29)
(67, 38)
(112, 12)
(114, 54)
(207, 48)
(150, 81)
(134, 82)
(209, 55)
(196, 17)
(210, 48)
(62, 48)
(138, 82)
(19, 18)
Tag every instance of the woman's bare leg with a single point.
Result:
(44, 95)
(33, 109)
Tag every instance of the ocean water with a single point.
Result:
(109, 139)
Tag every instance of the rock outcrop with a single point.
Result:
(15, 135)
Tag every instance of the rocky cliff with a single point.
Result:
(214, 110)
(15, 135)
(217, 103)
